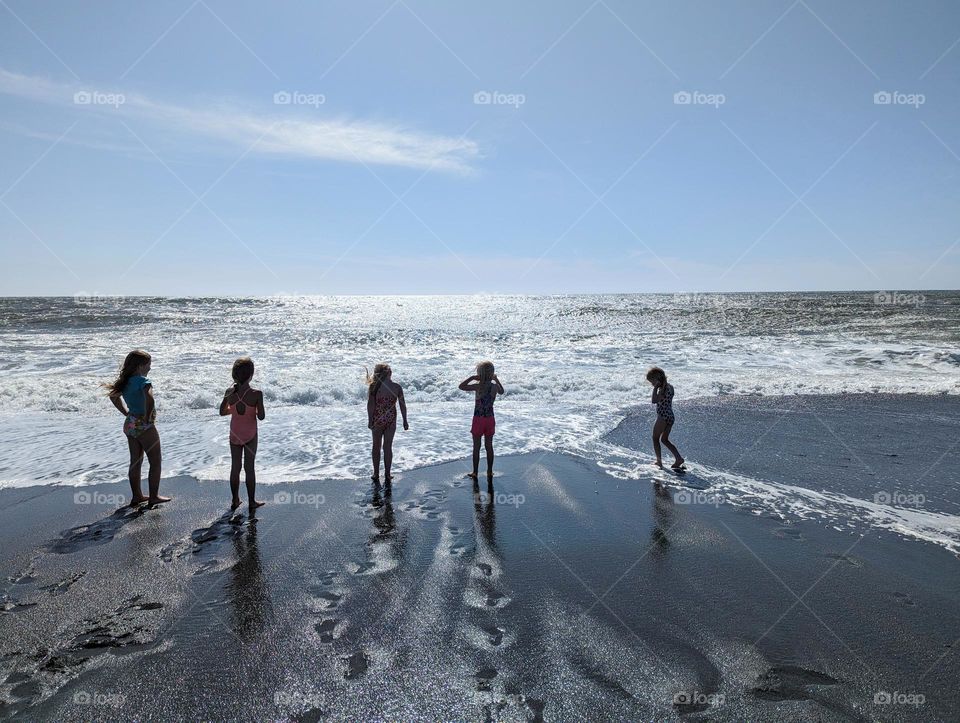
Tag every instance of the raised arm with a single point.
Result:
(466, 385)
(499, 385)
(403, 406)
(225, 402)
(657, 395)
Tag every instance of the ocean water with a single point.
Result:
(572, 366)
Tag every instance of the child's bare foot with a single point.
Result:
(388, 479)
(137, 501)
(659, 464)
(375, 478)
(678, 464)
(472, 475)
(254, 504)
(235, 503)
(158, 500)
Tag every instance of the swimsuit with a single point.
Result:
(484, 424)
(136, 422)
(665, 405)
(243, 425)
(384, 410)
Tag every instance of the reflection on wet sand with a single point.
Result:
(247, 589)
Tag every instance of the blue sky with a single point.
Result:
(217, 147)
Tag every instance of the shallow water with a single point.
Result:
(572, 366)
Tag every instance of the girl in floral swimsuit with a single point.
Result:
(383, 395)
(663, 398)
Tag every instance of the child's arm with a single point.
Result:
(225, 404)
(656, 395)
(370, 406)
(150, 406)
(499, 385)
(403, 406)
(118, 403)
(466, 386)
(261, 410)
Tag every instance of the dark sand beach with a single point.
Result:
(567, 594)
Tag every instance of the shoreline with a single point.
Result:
(439, 601)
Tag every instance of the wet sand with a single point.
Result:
(566, 594)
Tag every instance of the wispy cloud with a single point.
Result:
(280, 133)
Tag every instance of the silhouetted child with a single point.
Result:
(383, 394)
(486, 386)
(245, 405)
(663, 398)
(139, 424)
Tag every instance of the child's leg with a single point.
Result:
(377, 441)
(249, 456)
(658, 428)
(151, 446)
(665, 438)
(236, 464)
(133, 473)
(476, 455)
(388, 451)
(488, 443)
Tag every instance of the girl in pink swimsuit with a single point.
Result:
(245, 406)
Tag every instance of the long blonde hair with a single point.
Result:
(485, 372)
(380, 374)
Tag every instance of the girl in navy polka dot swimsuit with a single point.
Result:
(663, 398)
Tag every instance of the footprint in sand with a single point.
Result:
(484, 676)
(494, 634)
(485, 568)
(355, 665)
(904, 599)
(789, 682)
(852, 561)
(328, 600)
(327, 628)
